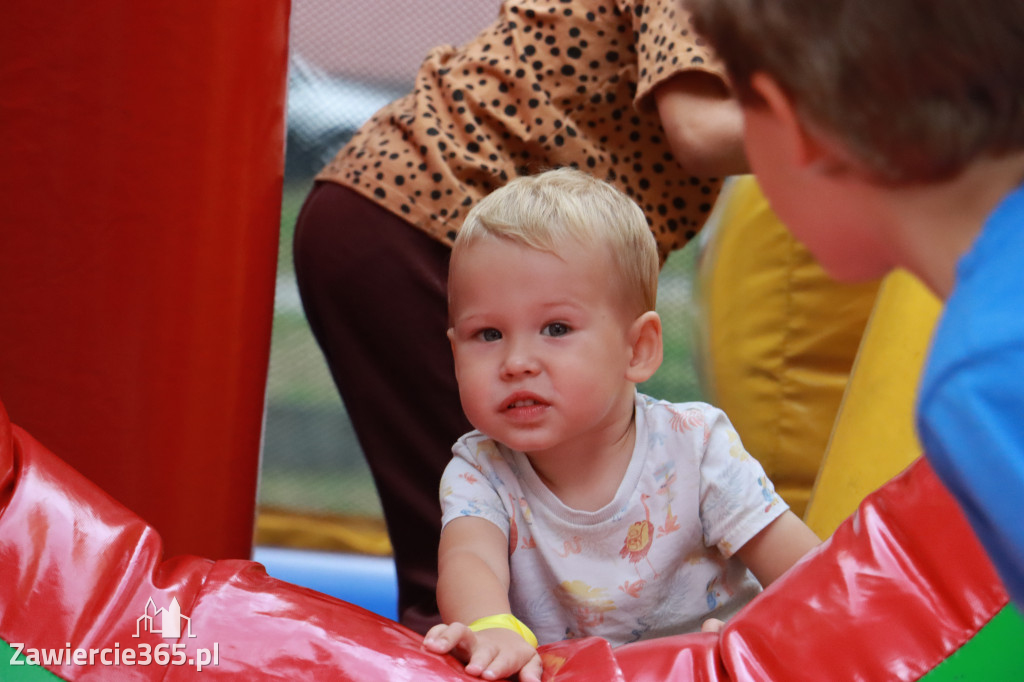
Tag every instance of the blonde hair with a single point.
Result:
(549, 210)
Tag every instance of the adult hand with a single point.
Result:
(703, 124)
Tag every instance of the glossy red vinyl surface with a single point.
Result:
(140, 202)
(899, 588)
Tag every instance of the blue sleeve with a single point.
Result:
(971, 423)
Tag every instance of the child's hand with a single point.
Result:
(493, 654)
(712, 625)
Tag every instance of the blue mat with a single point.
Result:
(366, 581)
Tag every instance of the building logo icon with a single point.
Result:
(164, 622)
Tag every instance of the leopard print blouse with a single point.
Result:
(550, 83)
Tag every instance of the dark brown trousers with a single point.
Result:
(374, 290)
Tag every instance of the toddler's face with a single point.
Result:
(540, 342)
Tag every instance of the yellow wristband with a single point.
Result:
(506, 621)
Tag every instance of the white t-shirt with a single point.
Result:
(656, 560)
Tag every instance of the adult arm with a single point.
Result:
(703, 123)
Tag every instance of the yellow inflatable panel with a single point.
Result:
(354, 534)
(780, 337)
(874, 437)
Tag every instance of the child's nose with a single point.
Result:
(520, 359)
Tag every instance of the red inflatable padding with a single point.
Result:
(140, 199)
(79, 570)
(900, 587)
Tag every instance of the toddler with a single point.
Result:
(579, 506)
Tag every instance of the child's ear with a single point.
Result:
(645, 347)
(808, 149)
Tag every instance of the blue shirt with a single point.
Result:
(971, 403)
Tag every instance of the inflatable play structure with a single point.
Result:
(139, 200)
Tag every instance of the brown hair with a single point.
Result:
(915, 89)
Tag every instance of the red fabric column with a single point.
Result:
(141, 160)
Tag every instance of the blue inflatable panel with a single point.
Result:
(366, 581)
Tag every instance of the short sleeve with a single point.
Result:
(969, 420)
(471, 486)
(737, 499)
(666, 44)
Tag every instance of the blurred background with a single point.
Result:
(348, 59)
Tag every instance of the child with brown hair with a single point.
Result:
(887, 134)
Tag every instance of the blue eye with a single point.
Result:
(556, 329)
(490, 335)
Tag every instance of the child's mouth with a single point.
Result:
(522, 403)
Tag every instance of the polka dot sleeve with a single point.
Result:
(666, 44)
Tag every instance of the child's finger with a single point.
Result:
(532, 671)
(449, 638)
(496, 663)
(712, 625)
(481, 662)
(435, 640)
(436, 631)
